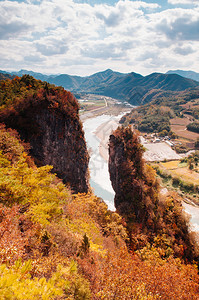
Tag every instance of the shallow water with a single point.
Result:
(100, 180)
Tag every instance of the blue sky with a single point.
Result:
(81, 37)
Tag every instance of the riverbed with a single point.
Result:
(193, 212)
(97, 131)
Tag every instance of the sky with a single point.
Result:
(82, 37)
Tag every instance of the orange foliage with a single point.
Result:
(124, 276)
(26, 92)
(18, 235)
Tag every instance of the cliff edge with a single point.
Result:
(47, 118)
(152, 218)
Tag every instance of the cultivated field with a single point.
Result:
(92, 102)
(182, 171)
(178, 126)
(191, 104)
(180, 121)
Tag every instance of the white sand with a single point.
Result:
(103, 132)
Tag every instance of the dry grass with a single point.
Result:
(175, 169)
(187, 175)
(180, 121)
(191, 104)
(170, 165)
(182, 132)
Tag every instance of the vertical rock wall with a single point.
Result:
(61, 144)
(56, 138)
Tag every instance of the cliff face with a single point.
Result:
(150, 217)
(61, 143)
(48, 120)
(125, 168)
(116, 160)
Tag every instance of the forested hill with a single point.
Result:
(130, 87)
(138, 197)
(6, 76)
(47, 117)
(59, 244)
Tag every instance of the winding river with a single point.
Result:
(99, 175)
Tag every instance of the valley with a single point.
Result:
(100, 116)
(74, 234)
(92, 105)
(99, 150)
(100, 122)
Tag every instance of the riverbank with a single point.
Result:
(98, 166)
(103, 133)
(97, 131)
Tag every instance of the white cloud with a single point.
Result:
(184, 50)
(174, 2)
(63, 36)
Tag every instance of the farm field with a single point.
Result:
(182, 171)
(178, 126)
(180, 121)
(191, 104)
(91, 104)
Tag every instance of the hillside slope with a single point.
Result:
(188, 74)
(55, 244)
(132, 87)
(47, 117)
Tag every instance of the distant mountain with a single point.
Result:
(187, 74)
(38, 76)
(67, 81)
(4, 76)
(132, 87)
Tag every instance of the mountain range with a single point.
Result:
(131, 87)
(186, 74)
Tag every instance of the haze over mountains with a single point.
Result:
(187, 74)
(132, 87)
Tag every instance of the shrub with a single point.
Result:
(194, 126)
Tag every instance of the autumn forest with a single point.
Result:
(57, 239)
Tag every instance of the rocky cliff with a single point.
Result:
(126, 168)
(151, 218)
(116, 159)
(47, 118)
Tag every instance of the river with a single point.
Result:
(193, 211)
(98, 165)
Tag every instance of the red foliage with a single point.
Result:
(19, 237)
(124, 276)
